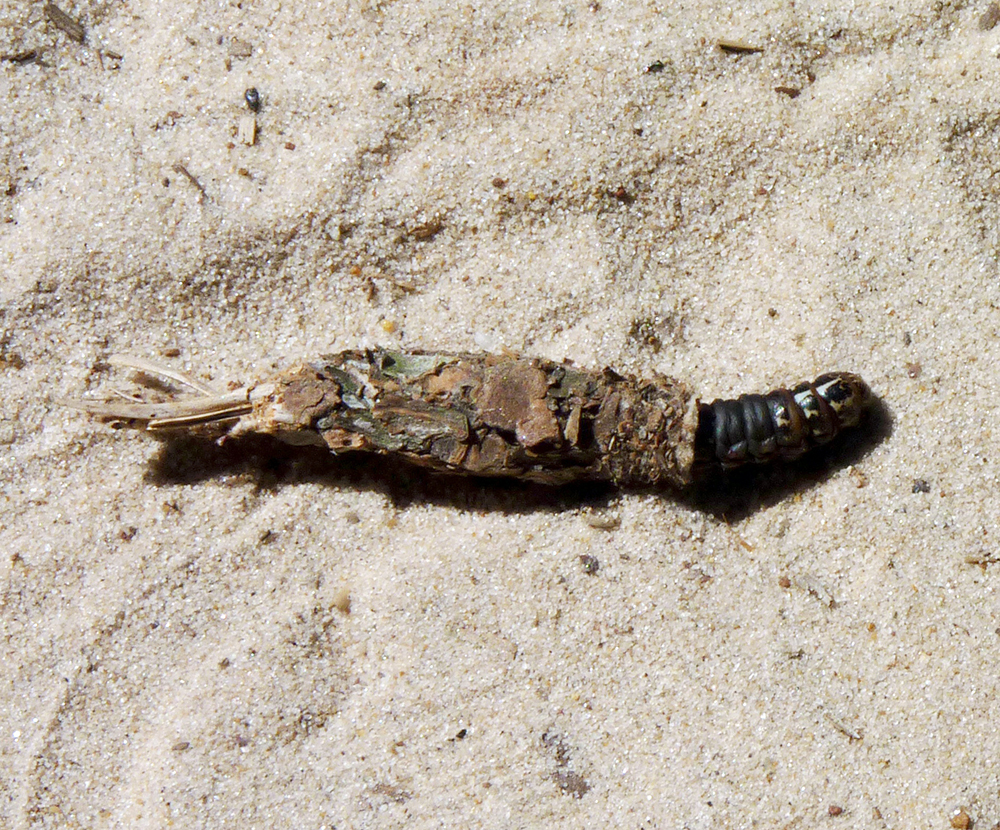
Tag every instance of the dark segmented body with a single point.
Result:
(784, 423)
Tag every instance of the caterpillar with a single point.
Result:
(784, 423)
(506, 416)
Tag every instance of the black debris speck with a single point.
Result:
(790, 91)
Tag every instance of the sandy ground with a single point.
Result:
(590, 181)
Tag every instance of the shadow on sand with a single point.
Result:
(726, 495)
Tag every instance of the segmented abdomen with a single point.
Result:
(781, 424)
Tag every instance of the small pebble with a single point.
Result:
(960, 819)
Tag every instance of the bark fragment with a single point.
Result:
(487, 415)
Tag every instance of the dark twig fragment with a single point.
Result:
(180, 168)
(71, 27)
(738, 47)
(21, 57)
